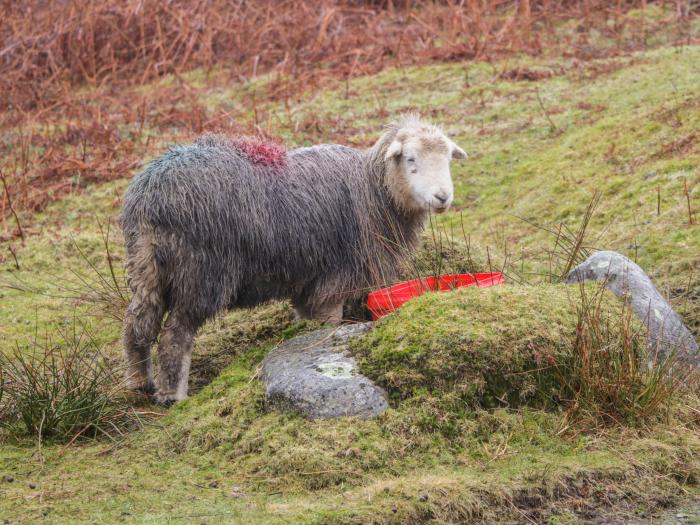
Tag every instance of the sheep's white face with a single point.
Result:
(418, 169)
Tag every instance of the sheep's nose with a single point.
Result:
(442, 197)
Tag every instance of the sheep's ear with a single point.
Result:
(394, 150)
(457, 152)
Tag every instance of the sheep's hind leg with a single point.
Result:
(144, 314)
(141, 326)
(174, 357)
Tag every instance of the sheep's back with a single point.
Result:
(302, 214)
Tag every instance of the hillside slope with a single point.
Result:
(543, 136)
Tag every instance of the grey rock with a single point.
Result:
(624, 278)
(315, 376)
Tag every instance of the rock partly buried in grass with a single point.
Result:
(667, 332)
(315, 376)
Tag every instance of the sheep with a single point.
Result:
(231, 222)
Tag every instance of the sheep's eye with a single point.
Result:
(410, 159)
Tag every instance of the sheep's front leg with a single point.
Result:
(301, 310)
(329, 312)
(174, 357)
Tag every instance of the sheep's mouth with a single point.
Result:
(438, 208)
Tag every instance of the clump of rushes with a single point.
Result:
(63, 389)
(97, 285)
(612, 377)
(104, 288)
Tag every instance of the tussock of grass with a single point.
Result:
(63, 389)
(613, 377)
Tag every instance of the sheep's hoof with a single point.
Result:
(148, 389)
(163, 400)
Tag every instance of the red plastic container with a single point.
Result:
(387, 300)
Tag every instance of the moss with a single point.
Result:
(488, 347)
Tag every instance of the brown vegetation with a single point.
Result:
(71, 112)
(49, 48)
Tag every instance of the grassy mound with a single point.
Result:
(504, 402)
(546, 347)
(478, 380)
(491, 347)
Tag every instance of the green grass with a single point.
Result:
(622, 127)
(221, 456)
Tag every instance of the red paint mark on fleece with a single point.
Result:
(261, 152)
